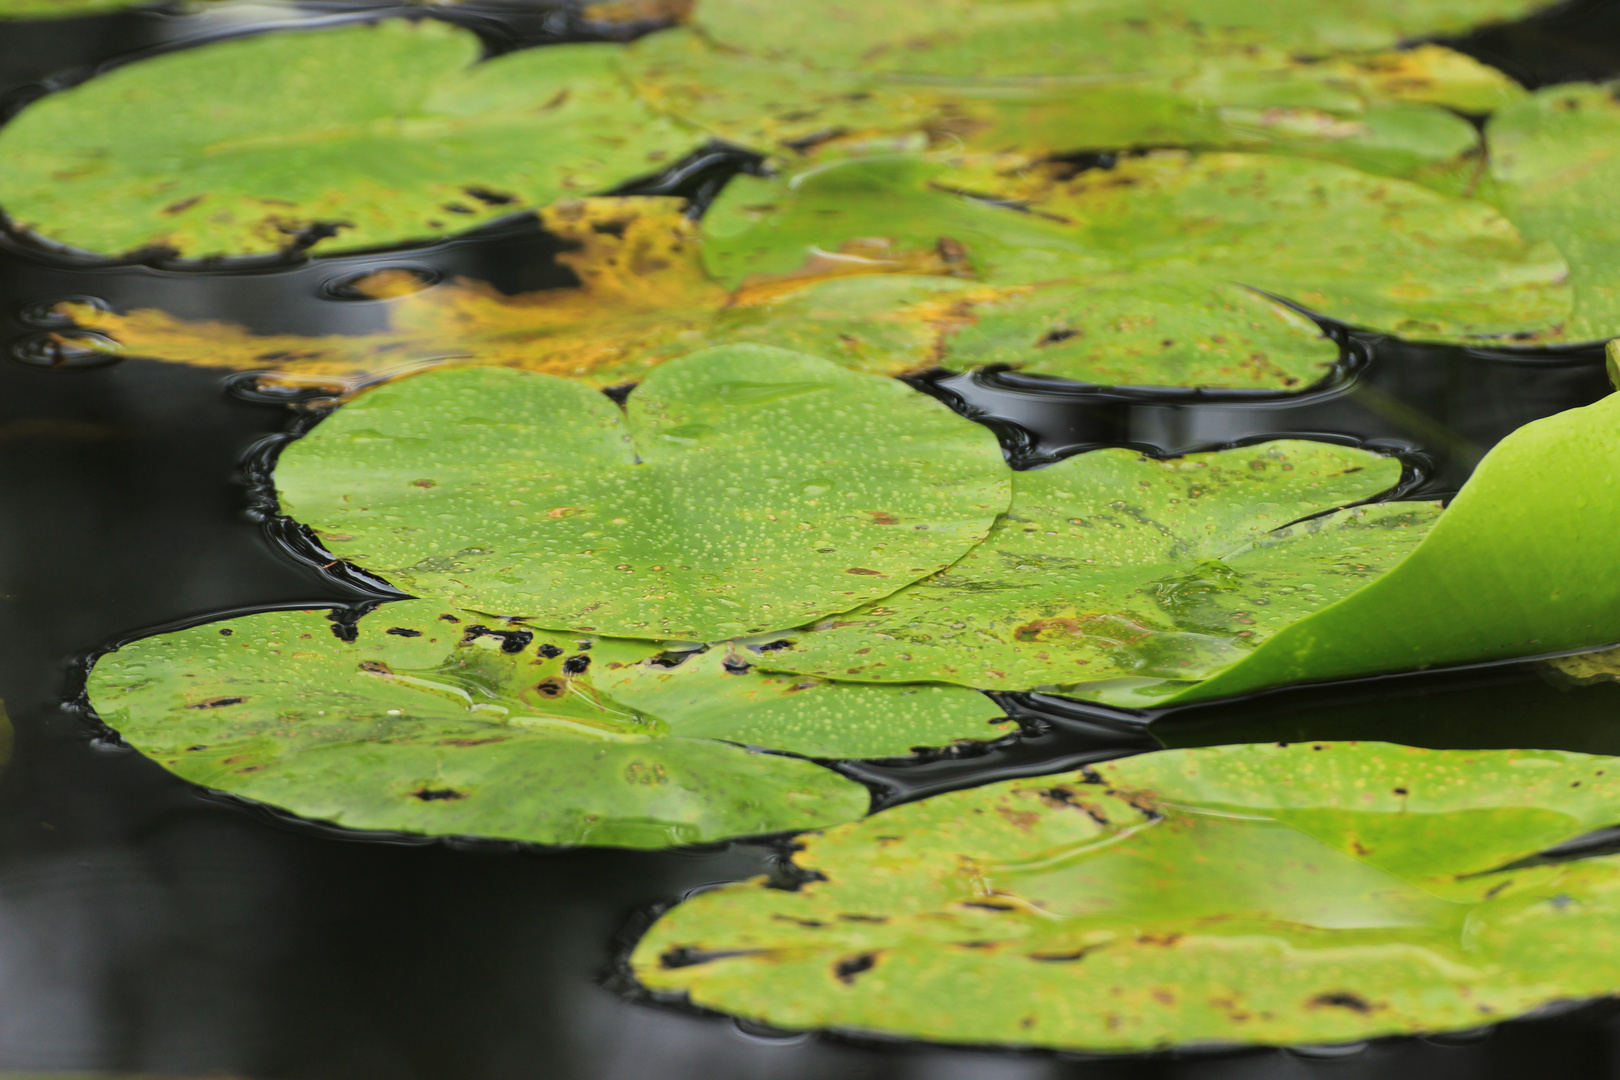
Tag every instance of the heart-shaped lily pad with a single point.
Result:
(1118, 569)
(1311, 893)
(1367, 250)
(442, 721)
(352, 137)
(743, 490)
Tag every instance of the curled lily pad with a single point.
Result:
(1371, 251)
(1122, 571)
(1309, 893)
(352, 137)
(742, 490)
(1552, 156)
(443, 721)
(1507, 570)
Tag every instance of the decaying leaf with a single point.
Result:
(741, 490)
(353, 137)
(1128, 574)
(1305, 893)
(436, 720)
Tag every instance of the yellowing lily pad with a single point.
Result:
(443, 721)
(744, 490)
(1118, 571)
(359, 136)
(1308, 893)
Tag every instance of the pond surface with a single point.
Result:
(147, 926)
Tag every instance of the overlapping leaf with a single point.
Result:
(1137, 574)
(443, 721)
(1366, 250)
(1312, 893)
(351, 137)
(744, 489)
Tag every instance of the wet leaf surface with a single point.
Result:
(448, 722)
(741, 492)
(1307, 893)
(1138, 574)
(353, 137)
(1552, 156)
(1370, 251)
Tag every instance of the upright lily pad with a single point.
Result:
(1371, 251)
(743, 490)
(1510, 569)
(443, 721)
(1117, 569)
(1553, 158)
(1312, 893)
(352, 137)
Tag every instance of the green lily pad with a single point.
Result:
(444, 721)
(1553, 159)
(1140, 330)
(1117, 569)
(743, 490)
(1311, 893)
(1508, 570)
(368, 135)
(969, 38)
(1370, 251)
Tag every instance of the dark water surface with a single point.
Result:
(146, 925)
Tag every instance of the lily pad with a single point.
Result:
(1117, 569)
(359, 136)
(1310, 893)
(1385, 112)
(444, 721)
(1553, 159)
(973, 39)
(1370, 251)
(743, 490)
(1508, 570)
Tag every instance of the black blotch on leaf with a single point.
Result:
(549, 651)
(552, 687)
(772, 646)
(851, 966)
(449, 618)
(216, 703)
(686, 956)
(488, 197)
(512, 641)
(1342, 1000)
(576, 665)
(427, 794)
(735, 666)
(672, 659)
(226, 633)
(400, 631)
